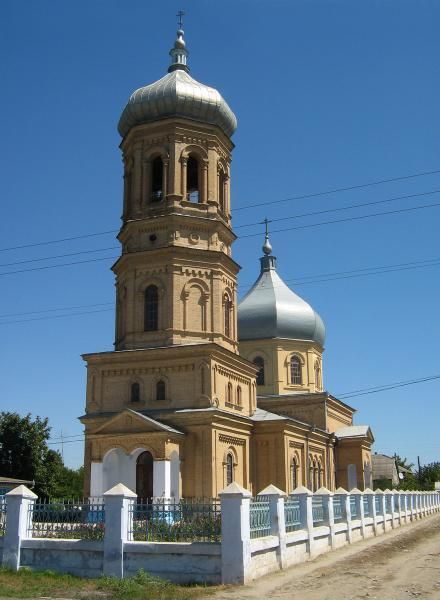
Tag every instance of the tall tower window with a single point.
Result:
(160, 390)
(229, 394)
(151, 312)
(135, 392)
(294, 467)
(222, 191)
(295, 371)
(259, 363)
(317, 375)
(229, 468)
(239, 396)
(227, 315)
(157, 179)
(192, 180)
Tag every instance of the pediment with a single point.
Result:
(130, 421)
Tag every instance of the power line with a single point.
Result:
(391, 386)
(343, 396)
(53, 257)
(341, 189)
(330, 210)
(389, 212)
(35, 312)
(300, 197)
(67, 239)
(87, 312)
(79, 262)
(322, 277)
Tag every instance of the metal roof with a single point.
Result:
(353, 431)
(272, 310)
(177, 95)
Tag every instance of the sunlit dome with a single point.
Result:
(177, 95)
(272, 310)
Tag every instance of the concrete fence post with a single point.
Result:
(19, 504)
(413, 498)
(359, 504)
(277, 519)
(117, 502)
(305, 497)
(389, 507)
(236, 540)
(381, 509)
(369, 494)
(404, 506)
(397, 506)
(346, 509)
(329, 514)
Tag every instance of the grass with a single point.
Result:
(37, 584)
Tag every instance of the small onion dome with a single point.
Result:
(177, 95)
(271, 310)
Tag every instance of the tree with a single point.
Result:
(25, 454)
(429, 474)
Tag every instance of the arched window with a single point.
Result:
(151, 309)
(160, 390)
(239, 396)
(295, 371)
(227, 315)
(311, 473)
(135, 392)
(259, 363)
(192, 180)
(294, 474)
(222, 191)
(229, 396)
(315, 475)
(317, 375)
(320, 474)
(229, 468)
(157, 179)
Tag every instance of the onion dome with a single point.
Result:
(271, 310)
(177, 95)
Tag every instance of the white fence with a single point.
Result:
(261, 535)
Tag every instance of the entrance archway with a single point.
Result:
(144, 476)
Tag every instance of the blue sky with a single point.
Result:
(328, 94)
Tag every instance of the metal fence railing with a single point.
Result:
(67, 519)
(378, 504)
(318, 510)
(338, 508)
(292, 514)
(366, 502)
(2, 515)
(165, 520)
(259, 518)
(354, 508)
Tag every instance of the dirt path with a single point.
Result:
(401, 565)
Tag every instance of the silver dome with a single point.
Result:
(271, 310)
(177, 95)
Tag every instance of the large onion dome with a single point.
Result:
(177, 95)
(271, 310)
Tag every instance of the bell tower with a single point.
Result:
(175, 279)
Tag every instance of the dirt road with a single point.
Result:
(400, 565)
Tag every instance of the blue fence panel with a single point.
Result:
(366, 506)
(292, 514)
(318, 510)
(339, 508)
(67, 519)
(353, 508)
(259, 519)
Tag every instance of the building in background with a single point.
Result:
(190, 399)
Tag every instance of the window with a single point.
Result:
(295, 371)
(259, 363)
(229, 395)
(156, 179)
(151, 312)
(317, 375)
(160, 390)
(229, 468)
(135, 392)
(227, 316)
(222, 191)
(192, 180)
(294, 474)
(239, 396)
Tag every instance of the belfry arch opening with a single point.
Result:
(157, 179)
(192, 180)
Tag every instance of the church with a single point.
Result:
(201, 391)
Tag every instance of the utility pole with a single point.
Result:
(420, 469)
